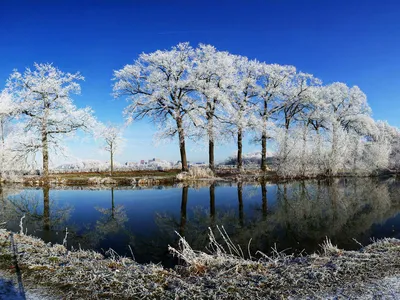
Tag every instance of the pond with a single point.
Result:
(294, 216)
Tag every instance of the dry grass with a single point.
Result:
(221, 273)
(137, 173)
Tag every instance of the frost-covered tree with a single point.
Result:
(348, 112)
(112, 137)
(159, 86)
(394, 158)
(273, 81)
(381, 147)
(298, 96)
(213, 75)
(47, 112)
(7, 111)
(240, 114)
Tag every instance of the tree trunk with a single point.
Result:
(264, 151)
(45, 153)
(210, 124)
(239, 151)
(264, 138)
(111, 162)
(211, 155)
(182, 148)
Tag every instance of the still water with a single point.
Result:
(292, 216)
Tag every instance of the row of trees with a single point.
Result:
(206, 95)
(202, 93)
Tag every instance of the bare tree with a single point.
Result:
(112, 136)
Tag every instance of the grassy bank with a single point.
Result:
(221, 273)
(140, 177)
(167, 177)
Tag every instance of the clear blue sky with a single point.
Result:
(356, 42)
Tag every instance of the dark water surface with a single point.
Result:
(295, 215)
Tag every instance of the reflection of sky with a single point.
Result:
(391, 227)
(141, 205)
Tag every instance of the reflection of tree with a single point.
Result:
(195, 229)
(41, 215)
(338, 210)
(212, 203)
(303, 215)
(46, 208)
(299, 215)
(184, 200)
(110, 225)
(112, 221)
(240, 200)
(6, 209)
(264, 200)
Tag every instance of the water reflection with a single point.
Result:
(240, 199)
(184, 201)
(294, 215)
(212, 203)
(112, 220)
(39, 215)
(264, 200)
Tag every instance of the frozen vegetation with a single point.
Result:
(100, 166)
(208, 96)
(221, 272)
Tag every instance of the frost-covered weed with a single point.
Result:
(196, 173)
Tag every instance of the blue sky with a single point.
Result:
(356, 42)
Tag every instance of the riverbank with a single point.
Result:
(168, 177)
(223, 273)
(140, 177)
(128, 178)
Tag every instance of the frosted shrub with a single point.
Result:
(196, 173)
(12, 177)
(298, 154)
(94, 180)
(108, 180)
